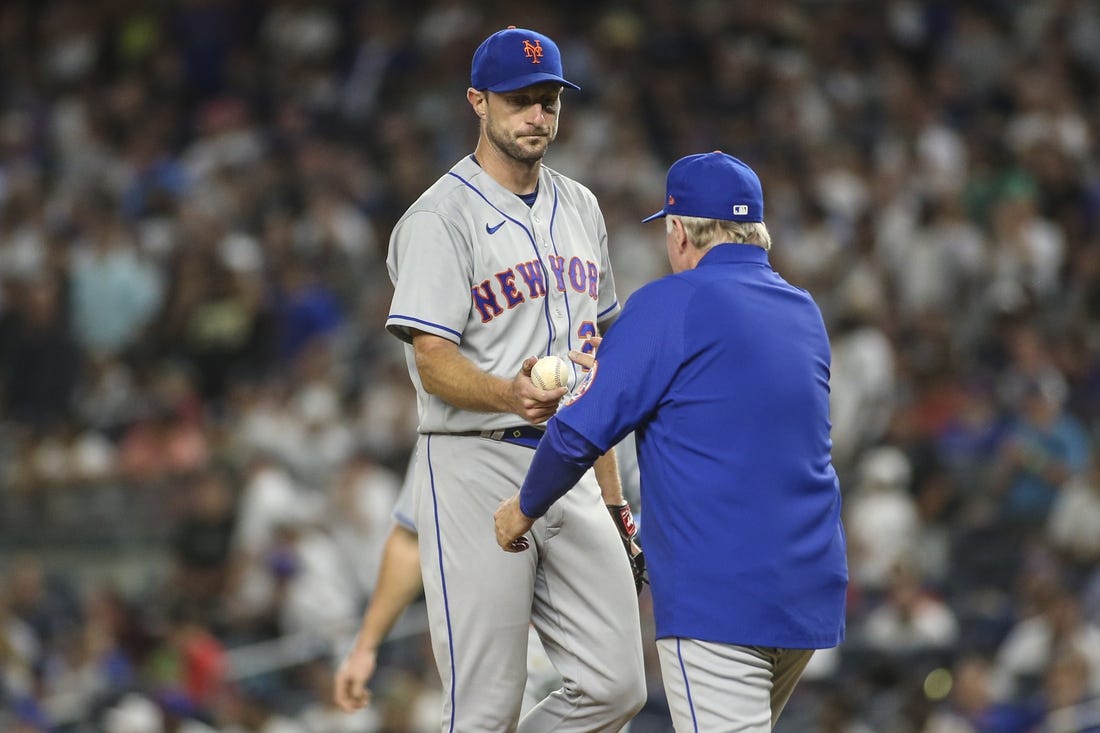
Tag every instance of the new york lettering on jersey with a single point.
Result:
(526, 281)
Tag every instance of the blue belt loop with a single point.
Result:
(526, 435)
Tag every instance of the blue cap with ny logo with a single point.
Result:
(712, 186)
(515, 58)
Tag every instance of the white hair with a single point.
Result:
(704, 233)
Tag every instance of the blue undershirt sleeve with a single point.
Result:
(561, 459)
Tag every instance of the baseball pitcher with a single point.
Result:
(500, 261)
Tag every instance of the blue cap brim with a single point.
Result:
(660, 214)
(527, 80)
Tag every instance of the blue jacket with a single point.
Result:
(723, 371)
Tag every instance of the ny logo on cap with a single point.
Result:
(533, 51)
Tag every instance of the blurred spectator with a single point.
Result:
(60, 460)
(299, 31)
(115, 292)
(839, 713)
(314, 590)
(20, 653)
(189, 659)
(359, 516)
(134, 713)
(180, 715)
(254, 707)
(39, 359)
(324, 436)
(155, 179)
(863, 393)
(1044, 445)
(336, 233)
(270, 499)
(386, 420)
(941, 261)
(46, 605)
(1035, 640)
(168, 441)
(881, 520)
(971, 707)
(216, 319)
(305, 309)
(910, 622)
(226, 138)
(26, 716)
(966, 445)
(83, 670)
(1074, 524)
(202, 541)
(1029, 356)
(109, 397)
(1069, 706)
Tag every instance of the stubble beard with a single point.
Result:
(510, 144)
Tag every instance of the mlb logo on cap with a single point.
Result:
(515, 58)
(713, 186)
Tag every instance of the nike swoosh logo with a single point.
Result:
(493, 230)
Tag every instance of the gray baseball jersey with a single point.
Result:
(472, 263)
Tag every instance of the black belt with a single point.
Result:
(526, 435)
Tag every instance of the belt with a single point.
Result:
(526, 435)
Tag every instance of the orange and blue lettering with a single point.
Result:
(557, 266)
(532, 275)
(533, 51)
(485, 301)
(507, 280)
(577, 275)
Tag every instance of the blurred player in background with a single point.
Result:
(503, 259)
(723, 369)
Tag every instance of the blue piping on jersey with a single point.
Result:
(534, 246)
(687, 687)
(426, 323)
(565, 293)
(443, 579)
(613, 306)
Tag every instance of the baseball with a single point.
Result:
(551, 372)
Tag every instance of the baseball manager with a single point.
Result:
(722, 369)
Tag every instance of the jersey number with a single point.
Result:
(587, 329)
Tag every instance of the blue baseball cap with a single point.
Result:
(712, 186)
(515, 58)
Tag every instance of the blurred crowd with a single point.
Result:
(195, 200)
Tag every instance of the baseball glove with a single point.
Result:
(628, 533)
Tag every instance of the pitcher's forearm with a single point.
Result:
(607, 476)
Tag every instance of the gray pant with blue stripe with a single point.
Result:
(574, 585)
(726, 687)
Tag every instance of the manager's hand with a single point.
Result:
(583, 358)
(511, 524)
